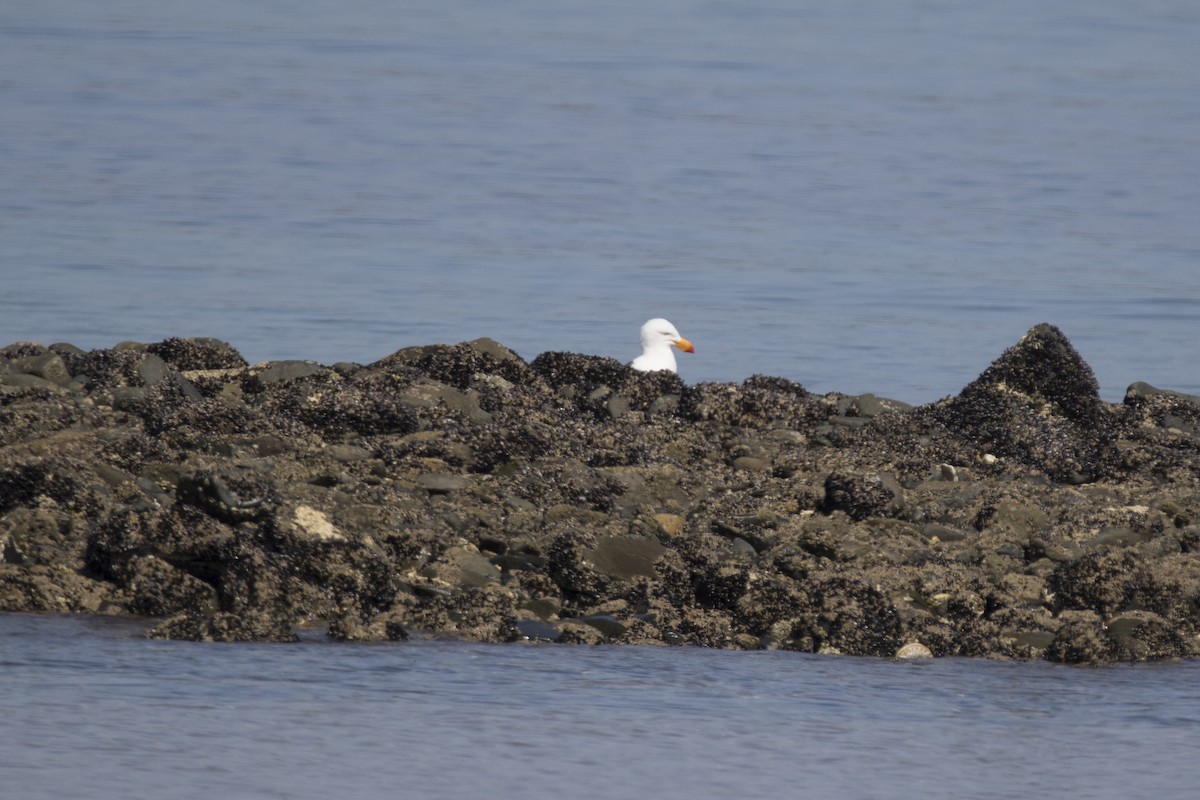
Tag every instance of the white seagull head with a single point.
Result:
(658, 336)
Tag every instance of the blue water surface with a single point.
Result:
(90, 709)
(871, 196)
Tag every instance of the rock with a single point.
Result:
(914, 650)
(1145, 636)
(463, 567)
(346, 453)
(1104, 582)
(617, 406)
(153, 370)
(945, 472)
(760, 402)
(48, 366)
(537, 631)
(1080, 639)
(282, 371)
(198, 354)
(1144, 391)
(863, 496)
(670, 524)
(1038, 403)
(624, 558)
(751, 464)
(129, 398)
(22, 380)
(440, 483)
(943, 533)
(1021, 519)
(224, 627)
(157, 589)
(460, 365)
(314, 524)
(455, 490)
(608, 625)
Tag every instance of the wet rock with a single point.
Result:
(608, 625)
(863, 496)
(867, 405)
(462, 567)
(347, 453)
(1104, 582)
(914, 650)
(760, 402)
(1012, 517)
(152, 370)
(1038, 403)
(48, 365)
(1141, 391)
(100, 370)
(370, 405)
(287, 371)
(156, 589)
(587, 567)
(670, 524)
(455, 490)
(751, 464)
(225, 627)
(847, 616)
(22, 380)
(232, 496)
(624, 558)
(440, 483)
(198, 354)
(604, 386)
(461, 365)
(316, 525)
(1080, 639)
(1145, 636)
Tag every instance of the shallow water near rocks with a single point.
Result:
(92, 709)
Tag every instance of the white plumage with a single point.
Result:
(658, 337)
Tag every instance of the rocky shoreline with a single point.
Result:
(460, 491)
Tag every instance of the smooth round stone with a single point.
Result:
(21, 380)
(153, 370)
(751, 464)
(347, 453)
(625, 557)
(617, 406)
(670, 524)
(608, 625)
(289, 370)
(125, 398)
(914, 650)
(441, 483)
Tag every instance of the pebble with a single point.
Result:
(670, 524)
(316, 525)
(441, 483)
(914, 650)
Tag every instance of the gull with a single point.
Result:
(658, 336)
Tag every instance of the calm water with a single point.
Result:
(870, 196)
(90, 709)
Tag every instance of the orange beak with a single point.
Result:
(684, 345)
